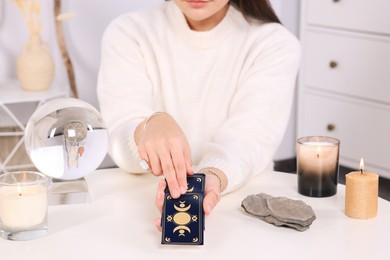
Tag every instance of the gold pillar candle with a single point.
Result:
(361, 194)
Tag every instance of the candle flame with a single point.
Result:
(318, 151)
(19, 190)
(361, 165)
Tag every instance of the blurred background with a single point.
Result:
(82, 35)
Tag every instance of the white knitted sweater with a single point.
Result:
(230, 88)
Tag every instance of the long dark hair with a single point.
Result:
(257, 9)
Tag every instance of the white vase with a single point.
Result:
(35, 65)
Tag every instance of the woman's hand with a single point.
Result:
(211, 198)
(164, 146)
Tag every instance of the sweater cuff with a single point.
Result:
(228, 168)
(122, 147)
(130, 138)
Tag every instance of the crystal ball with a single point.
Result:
(66, 138)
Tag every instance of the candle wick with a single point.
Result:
(20, 194)
(361, 171)
(318, 155)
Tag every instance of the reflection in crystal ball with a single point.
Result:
(66, 138)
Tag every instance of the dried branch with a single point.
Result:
(64, 52)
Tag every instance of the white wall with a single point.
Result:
(82, 33)
(83, 36)
(288, 12)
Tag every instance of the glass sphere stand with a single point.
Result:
(69, 192)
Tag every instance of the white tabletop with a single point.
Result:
(118, 224)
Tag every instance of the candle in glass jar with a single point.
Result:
(317, 166)
(23, 206)
(361, 193)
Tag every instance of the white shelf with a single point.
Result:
(12, 93)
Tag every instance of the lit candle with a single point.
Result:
(361, 193)
(317, 166)
(23, 205)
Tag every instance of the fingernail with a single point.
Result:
(183, 189)
(144, 164)
(175, 193)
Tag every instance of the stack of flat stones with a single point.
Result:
(279, 211)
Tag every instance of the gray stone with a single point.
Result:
(256, 205)
(291, 211)
(272, 220)
(279, 211)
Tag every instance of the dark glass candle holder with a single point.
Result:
(318, 165)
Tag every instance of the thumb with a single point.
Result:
(210, 200)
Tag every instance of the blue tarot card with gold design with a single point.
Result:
(182, 220)
(195, 183)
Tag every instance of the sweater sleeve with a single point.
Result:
(124, 90)
(244, 145)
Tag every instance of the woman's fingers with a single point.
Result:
(210, 201)
(145, 161)
(165, 147)
(212, 193)
(180, 169)
(173, 166)
(169, 173)
(188, 160)
(159, 201)
(155, 164)
(157, 222)
(168, 159)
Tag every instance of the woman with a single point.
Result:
(220, 74)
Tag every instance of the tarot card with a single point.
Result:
(182, 220)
